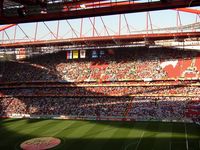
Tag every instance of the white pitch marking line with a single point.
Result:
(139, 141)
(186, 137)
(126, 147)
(135, 142)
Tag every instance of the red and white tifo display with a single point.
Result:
(42, 143)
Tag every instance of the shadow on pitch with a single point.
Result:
(110, 138)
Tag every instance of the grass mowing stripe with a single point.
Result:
(31, 128)
(101, 139)
(11, 125)
(193, 131)
(37, 132)
(54, 128)
(119, 137)
(178, 137)
(76, 139)
(9, 121)
(67, 134)
(148, 140)
(163, 138)
(91, 137)
(44, 127)
(95, 130)
(12, 130)
(193, 136)
(86, 138)
(54, 131)
(69, 129)
(5, 128)
(20, 134)
(116, 139)
(134, 135)
(98, 135)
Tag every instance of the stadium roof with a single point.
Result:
(21, 11)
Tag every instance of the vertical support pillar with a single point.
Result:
(2, 37)
(58, 27)
(81, 28)
(120, 18)
(147, 22)
(93, 27)
(178, 22)
(15, 32)
(150, 22)
(36, 27)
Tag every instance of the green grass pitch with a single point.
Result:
(102, 135)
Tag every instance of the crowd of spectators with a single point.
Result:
(103, 91)
(122, 65)
(134, 108)
(163, 108)
(105, 106)
(128, 102)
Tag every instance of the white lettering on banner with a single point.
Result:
(167, 63)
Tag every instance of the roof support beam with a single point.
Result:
(194, 11)
(104, 39)
(6, 27)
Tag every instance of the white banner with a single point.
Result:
(82, 53)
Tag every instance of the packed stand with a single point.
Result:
(132, 108)
(119, 66)
(123, 64)
(103, 91)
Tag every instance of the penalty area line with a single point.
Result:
(186, 137)
(139, 141)
(127, 146)
(133, 143)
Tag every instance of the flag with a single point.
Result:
(69, 54)
(94, 54)
(75, 54)
(102, 53)
(82, 53)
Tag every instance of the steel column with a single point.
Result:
(81, 28)
(120, 18)
(36, 28)
(58, 25)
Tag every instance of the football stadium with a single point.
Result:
(85, 75)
